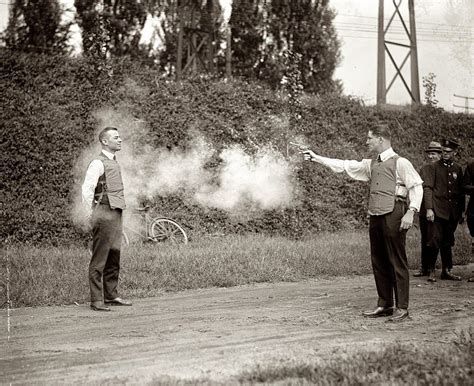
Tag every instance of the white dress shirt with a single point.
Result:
(94, 171)
(408, 180)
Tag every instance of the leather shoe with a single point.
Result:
(118, 302)
(445, 275)
(99, 306)
(432, 277)
(398, 315)
(420, 273)
(378, 312)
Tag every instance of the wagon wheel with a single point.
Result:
(166, 230)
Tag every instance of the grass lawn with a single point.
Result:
(58, 275)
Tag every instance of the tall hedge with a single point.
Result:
(48, 119)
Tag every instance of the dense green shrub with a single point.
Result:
(48, 118)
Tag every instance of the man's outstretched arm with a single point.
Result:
(358, 170)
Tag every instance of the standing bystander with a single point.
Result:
(393, 180)
(444, 201)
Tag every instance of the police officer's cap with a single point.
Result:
(450, 143)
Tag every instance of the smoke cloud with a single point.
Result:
(241, 181)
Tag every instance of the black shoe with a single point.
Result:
(420, 273)
(99, 306)
(432, 277)
(378, 312)
(118, 302)
(449, 276)
(398, 315)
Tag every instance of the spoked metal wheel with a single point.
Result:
(166, 230)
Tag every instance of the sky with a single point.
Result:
(445, 39)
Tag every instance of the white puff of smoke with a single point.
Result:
(177, 171)
(243, 181)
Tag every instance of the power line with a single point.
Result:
(400, 29)
(418, 22)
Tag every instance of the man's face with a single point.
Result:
(112, 141)
(448, 153)
(433, 156)
(373, 142)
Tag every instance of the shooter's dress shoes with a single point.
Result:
(398, 315)
(420, 273)
(117, 302)
(378, 312)
(99, 306)
(445, 275)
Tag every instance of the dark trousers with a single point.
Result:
(441, 239)
(104, 266)
(425, 259)
(470, 224)
(389, 259)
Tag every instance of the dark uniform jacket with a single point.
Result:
(442, 190)
(468, 186)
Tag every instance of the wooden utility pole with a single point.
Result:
(228, 53)
(384, 46)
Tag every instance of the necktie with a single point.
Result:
(379, 159)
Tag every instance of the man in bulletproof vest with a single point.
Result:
(103, 194)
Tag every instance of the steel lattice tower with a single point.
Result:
(383, 50)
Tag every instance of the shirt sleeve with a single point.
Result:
(358, 170)
(412, 181)
(94, 171)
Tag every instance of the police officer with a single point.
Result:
(444, 201)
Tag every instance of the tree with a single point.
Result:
(303, 26)
(35, 25)
(246, 23)
(123, 21)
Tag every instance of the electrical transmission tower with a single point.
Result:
(384, 49)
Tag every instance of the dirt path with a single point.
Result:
(218, 333)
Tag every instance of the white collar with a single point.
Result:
(386, 154)
(108, 154)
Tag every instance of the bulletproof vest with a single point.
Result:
(383, 183)
(109, 190)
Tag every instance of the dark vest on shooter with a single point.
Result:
(109, 190)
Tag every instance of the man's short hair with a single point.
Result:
(104, 131)
(381, 130)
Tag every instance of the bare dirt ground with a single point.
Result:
(218, 333)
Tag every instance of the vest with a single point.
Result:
(109, 189)
(383, 183)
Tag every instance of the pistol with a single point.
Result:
(300, 146)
